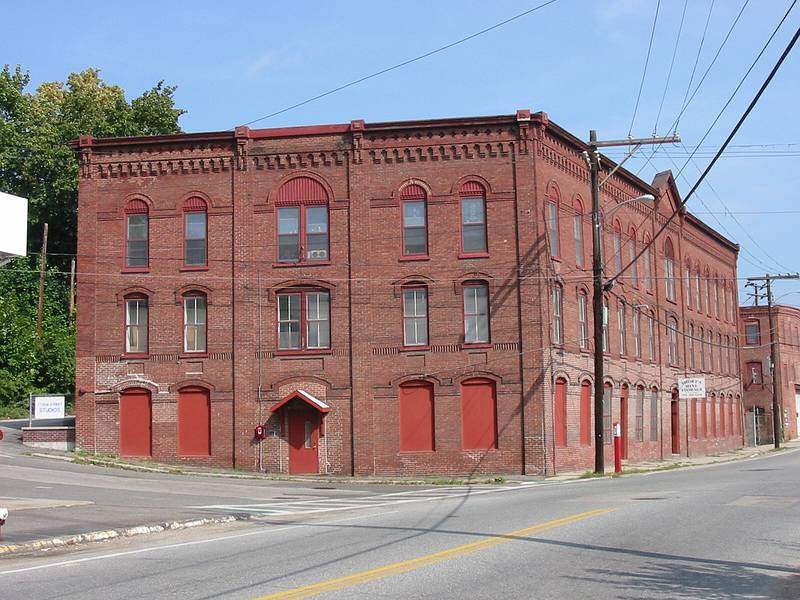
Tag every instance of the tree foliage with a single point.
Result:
(26, 364)
(37, 162)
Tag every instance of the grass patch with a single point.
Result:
(591, 475)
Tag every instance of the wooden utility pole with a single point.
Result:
(777, 399)
(599, 286)
(72, 288)
(42, 267)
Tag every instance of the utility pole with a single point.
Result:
(777, 396)
(42, 266)
(598, 287)
(72, 287)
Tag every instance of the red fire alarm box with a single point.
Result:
(260, 433)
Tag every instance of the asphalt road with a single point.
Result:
(727, 531)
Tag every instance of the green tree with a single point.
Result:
(37, 162)
(26, 365)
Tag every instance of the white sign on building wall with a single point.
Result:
(13, 226)
(691, 387)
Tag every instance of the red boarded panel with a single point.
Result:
(472, 188)
(137, 207)
(194, 422)
(586, 413)
(416, 417)
(560, 413)
(135, 421)
(302, 190)
(413, 192)
(195, 204)
(478, 415)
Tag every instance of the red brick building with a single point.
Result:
(756, 375)
(394, 298)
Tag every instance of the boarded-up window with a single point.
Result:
(704, 417)
(416, 417)
(135, 423)
(560, 413)
(722, 416)
(713, 417)
(478, 414)
(586, 413)
(694, 418)
(194, 422)
(654, 415)
(640, 414)
(607, 413)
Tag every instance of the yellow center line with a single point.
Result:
(404, 566)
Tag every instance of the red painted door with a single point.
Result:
(623, 419)
(303, 442)
(676, 427)
(194, 422)
(135, 423)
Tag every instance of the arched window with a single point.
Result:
(669, 270)
(553, 200)
(194, 322)
(137, 235)
(476, 312)
(607, 393)
(560, 412)
(622, 326)
(634, 270)
(654, 414)
(698, 290)
(303, 319)
(416, 417)
(709, 307)
(690, 346)
(716, 296)
(136, 324)
(302, 210)
(577, 227)
(586, 412)
(478, 414)
(558, 322)
(583, 326)
(648, 264)
(640, 413)
(195, 233)
(617, 246)
(414, 202)
(687, 284)
(605, 325)
(473, 220)
(651, 336)
(701, 346)
(637, 332)
(415, 315)
(672, 340)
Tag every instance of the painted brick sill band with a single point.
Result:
(111, 534)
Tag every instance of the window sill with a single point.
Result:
(186, 268)
(412, 258)
(135, 270)
(193, 355)
(407, 452)
(309, 352)
(139, 356)
(415, 348)
(302, 263)
(473, 255)
(476, 346)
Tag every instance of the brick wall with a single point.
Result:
(519, 161)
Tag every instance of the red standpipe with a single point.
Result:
(617, 448)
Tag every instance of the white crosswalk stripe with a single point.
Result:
(300, 507)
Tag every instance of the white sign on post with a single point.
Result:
(48, 407)
(691, 387)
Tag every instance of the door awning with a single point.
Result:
(304, 396)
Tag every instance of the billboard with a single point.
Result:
(13, 226)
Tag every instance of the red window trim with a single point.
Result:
(488, 342)
(469, 190)
(302, 291)
(125, 353)
(136, 206)
(414, 193)
(194, 205)
(415, 286)
(301, 232)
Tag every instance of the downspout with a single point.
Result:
(519, 310)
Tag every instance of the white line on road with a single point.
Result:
(223, 538)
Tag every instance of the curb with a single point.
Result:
(110, 534)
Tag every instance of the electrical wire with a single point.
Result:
(644, 71)
(671, 65)
(403, 63)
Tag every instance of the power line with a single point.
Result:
(644, 72)
(671, 65)
(696, 61)
(727, 141)
(404, 63)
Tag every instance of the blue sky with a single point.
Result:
(580, 61)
